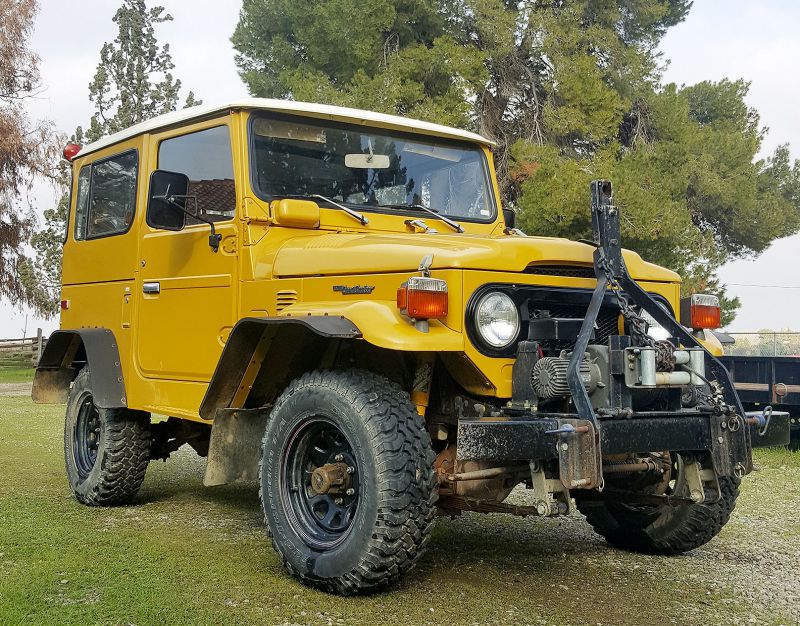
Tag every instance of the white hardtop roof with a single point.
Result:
(323, 111)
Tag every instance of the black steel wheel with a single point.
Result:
(106, 451)
(86, 435)
(319, 482)
(347, 485)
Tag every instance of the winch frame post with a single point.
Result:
(610, 269)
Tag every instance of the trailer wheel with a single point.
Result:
(106, 450)
(347, 485)
(662, 529)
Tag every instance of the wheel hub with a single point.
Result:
(332, 478)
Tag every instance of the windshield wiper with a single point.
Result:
(454, 225)
(354, 214)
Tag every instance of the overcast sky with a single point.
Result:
(736, 39)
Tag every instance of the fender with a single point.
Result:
(66, 352)
(298, 347)
(256, 340)
(384, 327)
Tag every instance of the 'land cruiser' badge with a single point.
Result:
(355, 290)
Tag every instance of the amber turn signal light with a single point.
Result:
(423, 298)
(701, 311)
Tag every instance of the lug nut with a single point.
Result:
(338, 457)
(350, 491)
(350, 469)
(338, 500)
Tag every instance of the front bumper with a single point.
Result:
(528, 437)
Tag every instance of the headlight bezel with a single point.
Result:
(479, 329)
(470, 319)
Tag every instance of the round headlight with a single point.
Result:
(654, 329)
(497, 319)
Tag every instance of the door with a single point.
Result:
(187, 292)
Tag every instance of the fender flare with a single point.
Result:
(253, 342)
(66, 352)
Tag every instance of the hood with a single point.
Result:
(365, 253)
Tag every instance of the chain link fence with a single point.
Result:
(764, 344)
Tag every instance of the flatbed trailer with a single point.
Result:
(763, 381)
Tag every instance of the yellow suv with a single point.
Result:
(332, 302)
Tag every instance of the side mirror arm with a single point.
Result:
(214, 238)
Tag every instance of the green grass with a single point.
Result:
(184, 554)
(16, 374)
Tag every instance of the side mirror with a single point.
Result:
(166, 206)
(510, 218)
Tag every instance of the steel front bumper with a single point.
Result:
(529, 437)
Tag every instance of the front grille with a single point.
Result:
(568, 271)
(605, 326)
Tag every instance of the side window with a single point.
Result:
(106, 199)
(82, 202)
(206, 158)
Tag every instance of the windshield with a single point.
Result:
(369, 169)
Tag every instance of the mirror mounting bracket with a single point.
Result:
(214, 238)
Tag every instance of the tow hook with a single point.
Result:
(761, 420)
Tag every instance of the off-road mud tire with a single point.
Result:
(123, 450)
(662, 530)
(392, 523)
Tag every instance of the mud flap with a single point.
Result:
(235, 448)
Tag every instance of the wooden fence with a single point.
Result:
(24, 352)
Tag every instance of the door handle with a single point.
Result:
(151, 288)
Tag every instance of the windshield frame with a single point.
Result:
(379, 209)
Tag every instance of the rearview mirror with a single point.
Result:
(367, 161)
(166, 206)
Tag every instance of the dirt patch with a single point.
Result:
(15, 389)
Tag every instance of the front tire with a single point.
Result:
(106, 450)
(347, 486)
(662, 529)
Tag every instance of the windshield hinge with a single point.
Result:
(421, 225)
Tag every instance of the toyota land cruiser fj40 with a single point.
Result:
(332, 302)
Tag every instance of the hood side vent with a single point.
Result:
(284, 299)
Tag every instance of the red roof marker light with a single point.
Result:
(71, 151)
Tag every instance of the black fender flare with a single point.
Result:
(255, 341)
(66, 352)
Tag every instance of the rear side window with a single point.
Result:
(206, 158)
(111, 194)
(82, 201)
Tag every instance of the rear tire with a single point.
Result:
(662, 529)
(106, 450)
(363, 535)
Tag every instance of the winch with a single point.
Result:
(549, 376)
